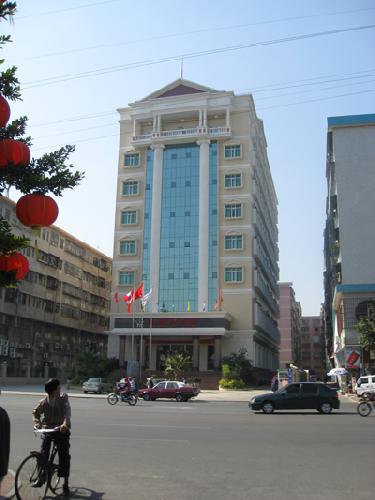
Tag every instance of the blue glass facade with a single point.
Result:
(147, 221)
(213, 241)
(179, 238)
(178, 283)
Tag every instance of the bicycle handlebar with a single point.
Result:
(45, 431)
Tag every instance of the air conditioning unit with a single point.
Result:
(28, 346)
(41, 344)
(57, 345)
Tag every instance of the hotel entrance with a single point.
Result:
(164, 350)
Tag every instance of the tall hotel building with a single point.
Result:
(196, 222)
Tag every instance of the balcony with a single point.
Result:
(181, 133)
(264, 323)
(264, 261)
(262, 288)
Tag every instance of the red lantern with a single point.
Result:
(4, 111)
(37, 210)
(15, 152)
(15, 262)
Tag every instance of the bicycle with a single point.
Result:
(35, 468)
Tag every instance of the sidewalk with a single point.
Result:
(204, 395)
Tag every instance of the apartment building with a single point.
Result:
(349, 238)
(196, 223)
(313, 346)
(289, 326)
(59, 310)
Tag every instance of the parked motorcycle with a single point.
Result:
(114, 397)
(367, 404)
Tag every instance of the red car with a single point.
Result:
(169, 389)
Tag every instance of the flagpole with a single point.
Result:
(149, 356)
(133, 335)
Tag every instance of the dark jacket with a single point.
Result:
(55, 412)
(4, 442)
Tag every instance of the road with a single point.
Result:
(210, 450)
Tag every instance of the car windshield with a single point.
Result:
(95, 380)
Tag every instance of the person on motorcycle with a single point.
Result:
(133, 387)
(124, 387)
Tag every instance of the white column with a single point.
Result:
(200, 118)
(134, 127)
(227, 118)
(157, 185)
(205, 118)
(158, 123)
(204, 187)
(154, 124)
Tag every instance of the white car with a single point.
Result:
(365, 384)
(96, 385)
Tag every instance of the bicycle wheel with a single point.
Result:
(31, 478)
(112, 398)
(364, 409)
(54, 481)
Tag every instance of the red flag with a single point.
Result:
(129, 298)
(139, 292)
(116, 297)
(221, 299)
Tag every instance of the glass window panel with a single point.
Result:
(126, 277)
(127, 247)
(131, 159)
(130, 188)
(128, 217)
(232, 151)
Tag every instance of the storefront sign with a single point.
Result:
(352, 357)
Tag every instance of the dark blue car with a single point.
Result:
(298, 396)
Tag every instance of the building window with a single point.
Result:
(233, 181)
(128, 217)
(173, 184)
(187, 213)
(186, 244)
(233, 274)
(131, 159)
(233, 211)
(126, 278)
(233, 242)
(171, 244)
(187, 184)
(232, 151)
(130, 188)
(186, 276)
(172, 214)
(170, 276)
(127, 247)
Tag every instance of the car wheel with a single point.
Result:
(364, 409)
(268, 407)
(325, 408)
(85, 392)
(179, 398)
(146, 397)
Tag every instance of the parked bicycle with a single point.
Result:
(366, 406)
(37, 474)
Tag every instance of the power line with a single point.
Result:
(190, 55)
(186, 33)
(93, 4)
(316, 80)
(258, 109)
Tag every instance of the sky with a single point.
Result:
(80, 60)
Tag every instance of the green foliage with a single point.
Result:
(366, 328)
(91, 364)
(237, 366)
(175, 365)
(229, 383)
(48, 174)
(10, 243)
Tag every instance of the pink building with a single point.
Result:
(289, 326)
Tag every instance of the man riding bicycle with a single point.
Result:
(56, 412)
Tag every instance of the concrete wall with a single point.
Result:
(354, 149)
